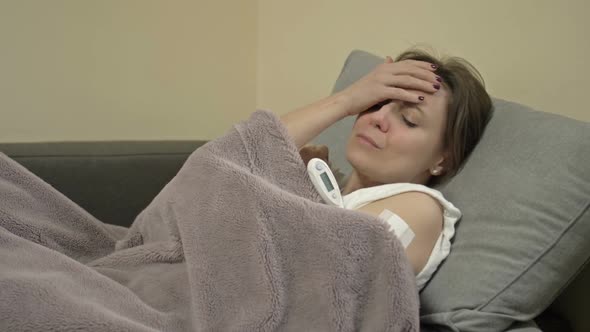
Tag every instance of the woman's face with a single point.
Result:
(406, 140)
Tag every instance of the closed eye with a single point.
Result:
(408, 123)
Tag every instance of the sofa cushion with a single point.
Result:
(525, 197)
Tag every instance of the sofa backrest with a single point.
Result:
(114, 180)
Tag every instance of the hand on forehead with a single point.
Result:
(436, 100)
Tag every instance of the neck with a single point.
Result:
(356, 182)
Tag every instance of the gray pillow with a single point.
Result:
(525, 197)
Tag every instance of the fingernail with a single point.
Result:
(436, 86)
(439, 79)
(434, 66)
(421, 97)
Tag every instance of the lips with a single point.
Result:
(368, 140)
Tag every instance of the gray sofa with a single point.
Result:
(520, 253)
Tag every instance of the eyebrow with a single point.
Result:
(413, 105)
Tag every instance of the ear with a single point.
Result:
(439, 167)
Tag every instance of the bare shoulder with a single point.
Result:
(412, 204)
(423, 214)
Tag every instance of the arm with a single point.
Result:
(305, 123)
(424, 216)
(387, 81)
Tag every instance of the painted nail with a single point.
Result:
(436, 86)
(434, 66)
(439, 79)
(421, 97)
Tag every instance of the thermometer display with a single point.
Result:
(327, 181)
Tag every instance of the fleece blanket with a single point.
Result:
(238, 240)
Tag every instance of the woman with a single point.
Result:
(418, 119)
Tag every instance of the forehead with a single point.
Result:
(434, 104)
(436, 101)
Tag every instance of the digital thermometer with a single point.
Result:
(324, 182)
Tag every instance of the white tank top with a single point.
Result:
(451, 215)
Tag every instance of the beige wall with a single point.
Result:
(531, 51)
(155, 69)
(125, 69)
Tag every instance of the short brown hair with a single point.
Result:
(468, 111)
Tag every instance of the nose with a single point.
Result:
(380, 118)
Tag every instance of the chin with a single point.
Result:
(364, 164)
(358, 159)
(352, 153)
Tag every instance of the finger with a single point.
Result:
(401, 94)
(420, 64)
(417, 72)
(411, 82)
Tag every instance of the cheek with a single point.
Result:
(361, 120)
(409, 143)
(402, 139)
